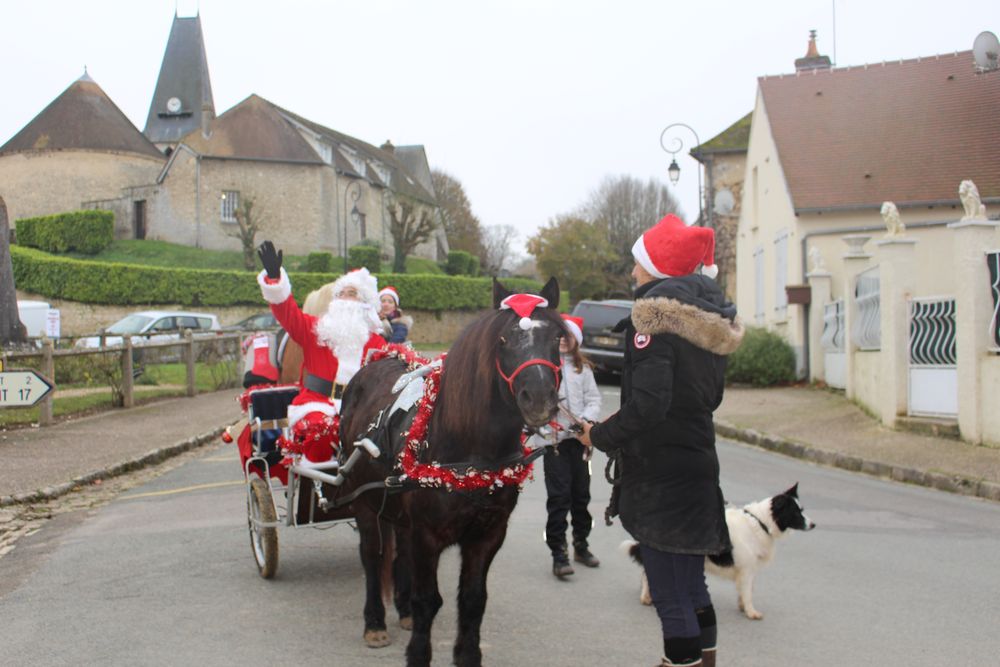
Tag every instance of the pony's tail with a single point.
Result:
(388, 559)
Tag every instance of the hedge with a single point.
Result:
(318, 262)
(88, 281)
(364, 255)
(459, 263)
(87, 232)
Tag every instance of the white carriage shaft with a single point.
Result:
(20, 389)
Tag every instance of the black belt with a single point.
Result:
(322, 386)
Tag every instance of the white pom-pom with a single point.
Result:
(710, 270)
(525, 323)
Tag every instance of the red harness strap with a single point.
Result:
(529, 362)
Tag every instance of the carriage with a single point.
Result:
(280, 489)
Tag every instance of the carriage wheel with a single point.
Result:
(263, 540)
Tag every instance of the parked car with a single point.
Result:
(259, 322)
(602, 346)
(154, 326)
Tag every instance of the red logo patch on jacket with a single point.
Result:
(641, 340)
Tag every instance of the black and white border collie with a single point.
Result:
(753, 530)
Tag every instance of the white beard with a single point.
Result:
(345, 328)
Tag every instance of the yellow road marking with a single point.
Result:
(185, 489)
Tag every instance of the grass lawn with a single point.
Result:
(161, 253)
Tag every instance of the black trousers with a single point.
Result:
(567, 481)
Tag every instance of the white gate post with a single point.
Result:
(855, 261)
(973, 313)
(821, 284)
(897, 273)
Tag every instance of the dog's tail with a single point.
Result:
(631, 549)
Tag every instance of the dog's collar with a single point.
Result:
(762, 524)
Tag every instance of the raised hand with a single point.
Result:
(270, 259)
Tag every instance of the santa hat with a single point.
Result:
(362, 281)
(391, 291)
(523, 304)
(671, 249)
(575, 326)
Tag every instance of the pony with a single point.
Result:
(501, 374)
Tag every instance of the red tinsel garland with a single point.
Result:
(433, 474)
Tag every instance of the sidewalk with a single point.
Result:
(824, 427)
(47, 462)
(812, 424)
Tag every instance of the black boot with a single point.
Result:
(581, 554)
(560, 564)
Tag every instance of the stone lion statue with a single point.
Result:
(969, 194)
(890, 214)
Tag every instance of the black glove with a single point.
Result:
(270, 259)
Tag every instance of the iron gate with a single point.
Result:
(834, 357)
(933, 382)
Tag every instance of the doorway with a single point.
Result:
(139, 219)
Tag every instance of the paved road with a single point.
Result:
(163, 575)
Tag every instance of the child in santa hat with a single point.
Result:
(567, 465)
(681, 330)
(397, 324)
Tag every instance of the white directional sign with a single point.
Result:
(19, 389)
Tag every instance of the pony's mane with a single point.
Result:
(470, 372)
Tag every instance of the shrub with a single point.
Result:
(474, 266)
(763, 359)
(87, 232)
(459, 263)
(87, 281)
(367, 256)
(318, 262)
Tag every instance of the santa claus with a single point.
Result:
(334, 345)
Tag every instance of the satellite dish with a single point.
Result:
(986, 52)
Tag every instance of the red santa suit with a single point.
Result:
(311, 414)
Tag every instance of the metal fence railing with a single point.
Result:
(832, 339)
(932, 332)
(866, 332)
(993, 261)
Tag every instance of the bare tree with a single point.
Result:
(11, 329)
(410, 226)
(498, 246)
(627, 207)
(462, 227)
(248, 223)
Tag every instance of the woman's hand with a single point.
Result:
(270, 259)
(585, 434)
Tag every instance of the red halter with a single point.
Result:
(529, 362)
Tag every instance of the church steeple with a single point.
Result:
(183, 90)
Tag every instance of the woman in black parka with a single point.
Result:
(677, 339)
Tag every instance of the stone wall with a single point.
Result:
(79, 319)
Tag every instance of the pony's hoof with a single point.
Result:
(377, 638)
(406, 622)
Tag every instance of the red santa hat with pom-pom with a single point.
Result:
(671, 249)
(523, 304)
(391, 291)
(575, 326)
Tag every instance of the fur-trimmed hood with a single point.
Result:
(694, 309)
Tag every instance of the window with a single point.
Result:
(230, 204)
(204, 322)
(758, 274)
(754, 192)
(781, 274)
(186, 322)
(166, 324)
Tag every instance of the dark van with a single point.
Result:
(604, 347)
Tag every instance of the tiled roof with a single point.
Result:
(184, 75)
(907, 132)
(733, 139)
(83, 117)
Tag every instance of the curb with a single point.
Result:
(965, 486)
(146, 460)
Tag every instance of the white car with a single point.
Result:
(154, 326)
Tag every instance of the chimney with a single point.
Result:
(207, 116)
(388, 147)
(812, 60)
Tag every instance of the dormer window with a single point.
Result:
(356, 162)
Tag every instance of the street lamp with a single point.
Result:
(354, 195)
(674, 170)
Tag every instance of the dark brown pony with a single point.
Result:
(477, 421)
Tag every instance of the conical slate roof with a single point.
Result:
(83, 117)
(183, 86)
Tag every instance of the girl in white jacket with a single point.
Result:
(567, 465)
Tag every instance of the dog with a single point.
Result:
(753, 530)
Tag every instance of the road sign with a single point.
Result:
(20, 389)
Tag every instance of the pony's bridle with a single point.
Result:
(529, 362)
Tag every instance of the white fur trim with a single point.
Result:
(275, 292)
(642, 257)
(361, 280)
(297, 412)
(575, 330)
(391, 292)
(710, 270)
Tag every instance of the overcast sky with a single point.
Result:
(530, 104)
